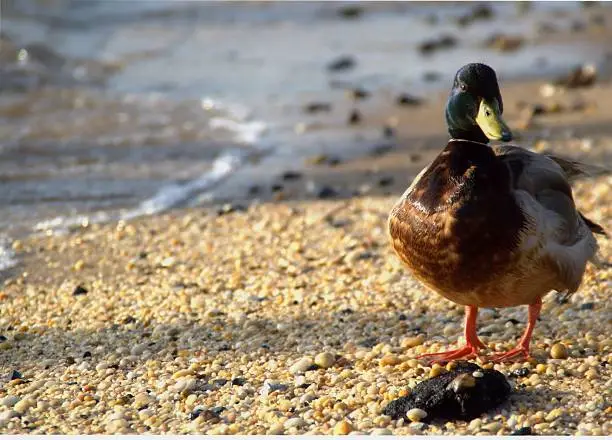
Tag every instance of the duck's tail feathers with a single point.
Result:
(594, 227)
(574, 169)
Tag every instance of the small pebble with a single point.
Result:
(558, 351)
(301, 366)
(342, 428)
(416, 414)
(325, 359)
(23, 405)
(9, 401)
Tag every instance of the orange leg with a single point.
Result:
(521, 351)
(472, 343)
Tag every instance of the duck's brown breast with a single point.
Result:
(458, 227)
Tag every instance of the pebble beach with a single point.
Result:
(281, 319)
(280, 308)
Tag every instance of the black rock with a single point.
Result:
(277, 187)
(219, 382)
(443, 42)
(385, 181)
(524, 431)
(217, 410)
(587, 306)
(350, 11)
(388, 132)
(16, 375)
(368, 342)
(406, 99)
(344, 62)
(513, 321)
(79, 290)
(238, 381)
(317, 107)
(354, 117)
(358, 93)
(380, 150)
(431, 76)
(454, 395)
(129, 320)
(327, 192)
(291, 175)
(402, 317)
(2, 338)
(87, 354)
(229, 208)
(520, 372)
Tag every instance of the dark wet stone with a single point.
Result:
(70, 360)
(16, 375)
(402, 317)
(358, 93)
(350, 11)
(513, 321)
(561, 298)
(582, 76)
(327, 192)
(354, 117)
(380, 150)
(587, 306)
(79, 290)
(238, 381)
(431, 76)
(504, 43)
(406, 99)
(347, 311)
(385, 181)
(317, 107)
(129, 320)
(368, 342)
(454, 395)
(2, 338)
(206, 414)
(313, 367)
(219, 382)
(217, 410)
(520, 372)
(523, 431)
(388, 132)
(229, 208)
(343, 62)
(443, 42)
(87, 354)
(265, 346)
(291, 175)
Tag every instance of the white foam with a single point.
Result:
(172, 195)
(7, 255)
(237, 122)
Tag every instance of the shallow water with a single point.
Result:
(117, 109)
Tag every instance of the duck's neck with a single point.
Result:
(474, 134)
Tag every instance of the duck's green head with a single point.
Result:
(475, 106)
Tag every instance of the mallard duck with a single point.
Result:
(491, 226)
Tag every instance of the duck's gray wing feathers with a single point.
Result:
(557, 233)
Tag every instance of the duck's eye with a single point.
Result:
(487, 113)
(463, 86)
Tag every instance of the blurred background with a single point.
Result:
(116, 109)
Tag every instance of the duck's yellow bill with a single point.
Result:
(491, 123)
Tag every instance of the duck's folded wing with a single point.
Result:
(541, 186)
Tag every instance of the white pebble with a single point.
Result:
(294, 422)
(416, 414)
(184, 384)
(381, 431)
(478, 373)
(138, 349)
(301, 365)
(9, 401)
(6, 416)
(23, 405)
